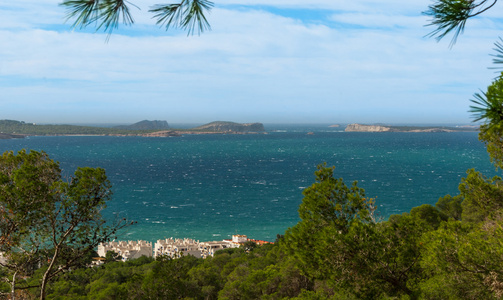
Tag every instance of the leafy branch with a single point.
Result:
(451, 15)
(188, 15)
(488, 105)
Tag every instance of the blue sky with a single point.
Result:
(274, 61)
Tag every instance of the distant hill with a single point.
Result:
(220, 126)
(146, 125)
(22, 128)
(19, 129)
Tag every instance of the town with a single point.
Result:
(171, 247)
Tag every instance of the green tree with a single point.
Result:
(340, 246)
(45, 220)
(248, 246)
(377, 259)
(488, 107)
(170, 279)
(482, 197)
(326, 212)
(26, 185)
(111, 256)
(265, 272)
(429, 214)
(450, 207)
(464, 260)
(330, 202)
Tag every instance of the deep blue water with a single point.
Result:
(209, 187)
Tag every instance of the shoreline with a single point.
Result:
(175, 133)
(355, 127)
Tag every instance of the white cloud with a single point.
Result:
(22, 14)
(367, 58)
(374, 5)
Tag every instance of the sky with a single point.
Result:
(269, 61)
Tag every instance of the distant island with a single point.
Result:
(220, 126)
(386, 128)
(146, 125)
(19, 129)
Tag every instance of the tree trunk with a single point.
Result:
(13, 286)
(45, 278)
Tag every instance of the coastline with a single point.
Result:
(174, 133)
(355, 127)
(214, 129)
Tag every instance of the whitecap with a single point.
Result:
(261, 182)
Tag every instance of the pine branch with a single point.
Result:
(187, 15)
(105, 14)
(451, 16)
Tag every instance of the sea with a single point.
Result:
(210, 187)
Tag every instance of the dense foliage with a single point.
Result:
(338, 250)
(49, 225)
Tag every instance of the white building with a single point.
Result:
(209, 248)
(173, 248)
(239, 238)
(176, 247)
(126, 249)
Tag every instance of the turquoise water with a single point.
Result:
(209, 187)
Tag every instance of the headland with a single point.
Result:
(388, 128)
